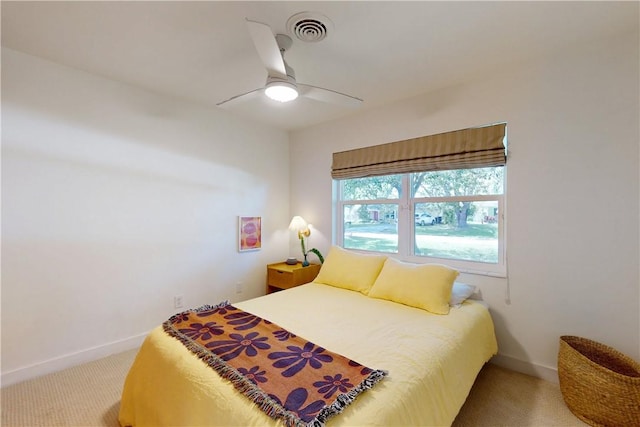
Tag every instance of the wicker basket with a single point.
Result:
(600, 385)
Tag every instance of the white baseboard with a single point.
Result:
(69, 360)
(528, 368)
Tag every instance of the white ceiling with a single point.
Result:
(378, 51)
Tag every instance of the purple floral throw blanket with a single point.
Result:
(288, 377)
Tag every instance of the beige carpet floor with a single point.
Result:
(89, 395)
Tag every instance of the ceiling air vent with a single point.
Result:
(309, 26)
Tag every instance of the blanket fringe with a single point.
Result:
(343, 400)
(208, 307)
(176, 317)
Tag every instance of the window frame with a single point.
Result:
(406, 227)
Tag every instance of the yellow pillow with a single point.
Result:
(425, 286)
(350, 270)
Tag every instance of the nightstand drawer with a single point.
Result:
(280, 279)
(284, 276)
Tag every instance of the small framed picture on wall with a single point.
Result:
(249, 233)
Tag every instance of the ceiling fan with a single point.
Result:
(281, 82)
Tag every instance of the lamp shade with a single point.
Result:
(298, 224)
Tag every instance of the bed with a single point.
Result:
(432, 360)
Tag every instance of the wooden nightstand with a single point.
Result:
(284, 276)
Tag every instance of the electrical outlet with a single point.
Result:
(177, 301)
(238, 287)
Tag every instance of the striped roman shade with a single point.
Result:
(461, 149)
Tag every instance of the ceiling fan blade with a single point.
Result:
(267, 48)
(328, 95)
(240, 98)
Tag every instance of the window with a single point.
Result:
(370, 213)
(453, 216)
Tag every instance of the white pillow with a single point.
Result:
(460, 292)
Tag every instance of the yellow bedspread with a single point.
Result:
(432, 362)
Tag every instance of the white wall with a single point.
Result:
(114, 200)
(572, 192)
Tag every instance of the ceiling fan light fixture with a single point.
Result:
(281, 91)
(281, 82)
